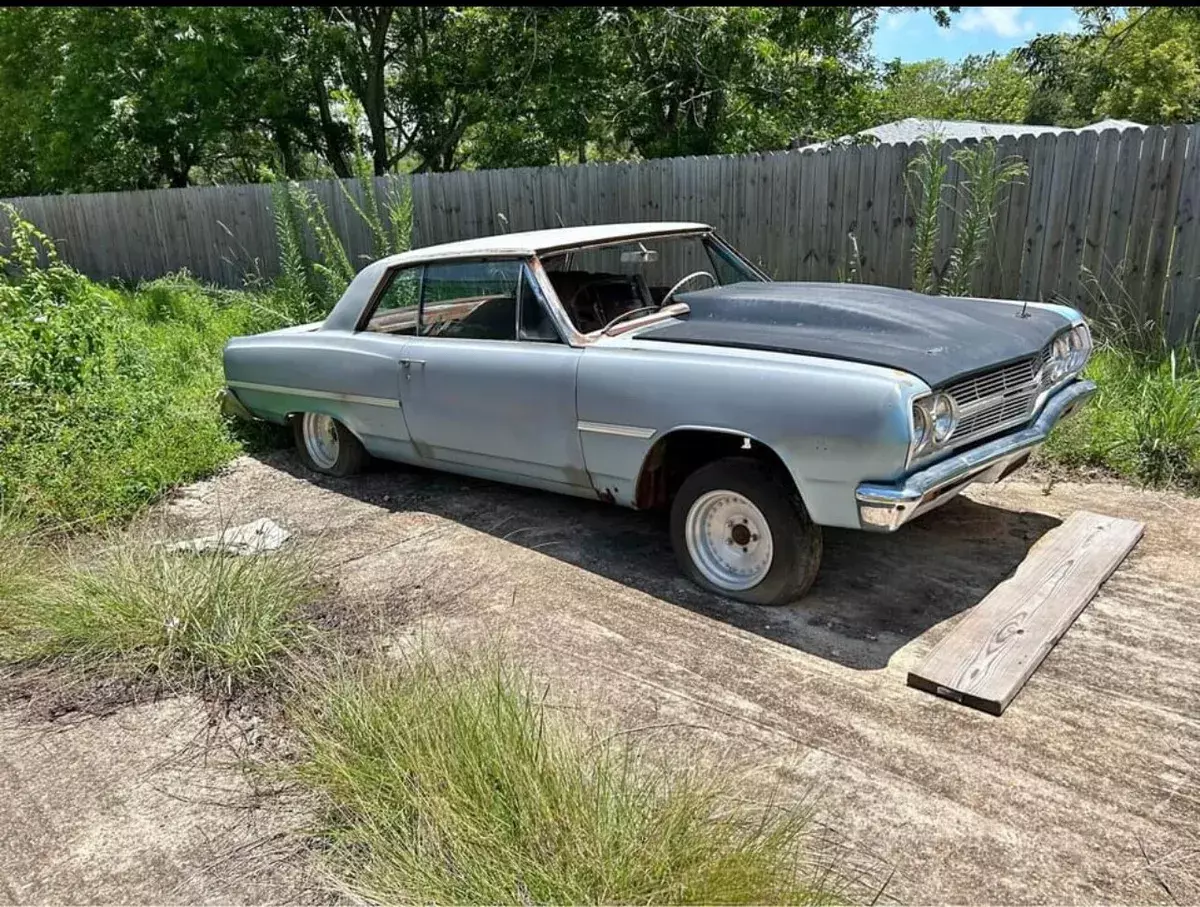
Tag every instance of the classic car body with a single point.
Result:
(503, 358)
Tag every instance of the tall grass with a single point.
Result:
(1144, 423)
(216, 623)
(452, 782)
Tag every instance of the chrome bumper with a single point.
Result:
(884, 508)
(232, 406)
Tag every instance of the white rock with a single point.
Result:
(250, 538)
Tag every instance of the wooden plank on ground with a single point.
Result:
(986, 659)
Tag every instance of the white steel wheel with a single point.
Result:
(729, 540)
(321, 440)
(740, 529)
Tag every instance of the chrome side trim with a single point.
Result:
(321, 395)
(885, 508)
(623, 431)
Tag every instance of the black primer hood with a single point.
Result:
(936, 338)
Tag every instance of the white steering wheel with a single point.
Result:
(675, 289)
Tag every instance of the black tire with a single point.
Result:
(351, 455)
(795, 538)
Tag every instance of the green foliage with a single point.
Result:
(295, 284)
(925, 180)
(1139, 63)
(312, 284)
(107, 397)
(450, 781)
(111, 98)
(1144, 423)
(984, 176)
(991, 88)
(205, 622)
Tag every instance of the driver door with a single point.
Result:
(487, 385)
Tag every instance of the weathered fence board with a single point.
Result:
(1111, 215)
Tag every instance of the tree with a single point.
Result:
(1141, 63)
(703, 80)
(96, 98)
(993, 88)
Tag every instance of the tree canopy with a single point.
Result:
(114, 98)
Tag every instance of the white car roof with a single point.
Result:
(535, 242)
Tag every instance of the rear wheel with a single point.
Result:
(739, 528)
(327, 446)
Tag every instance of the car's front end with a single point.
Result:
(981, 428)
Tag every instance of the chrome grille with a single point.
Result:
(997, 399)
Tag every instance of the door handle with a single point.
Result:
(407, 365)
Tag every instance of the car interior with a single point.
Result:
(594, 285)
(594, 298)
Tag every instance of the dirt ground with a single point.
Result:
(1087, 789)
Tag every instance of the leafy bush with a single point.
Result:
(453, 783)
(139, 610)
(107, 396)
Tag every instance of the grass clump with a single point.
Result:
(454, 783)
(212, 623)
(1143, 424)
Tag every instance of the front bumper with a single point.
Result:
(884, 508)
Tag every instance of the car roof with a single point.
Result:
(535, 242)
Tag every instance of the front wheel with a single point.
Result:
(327, 446)
(739, 528)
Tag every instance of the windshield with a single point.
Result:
(598, 284)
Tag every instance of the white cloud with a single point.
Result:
(1004, 21)
(1070, 25)
(891, 21)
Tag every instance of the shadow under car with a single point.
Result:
(874, 593)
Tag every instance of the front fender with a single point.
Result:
(832, 423)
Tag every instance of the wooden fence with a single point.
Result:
(1114, 211)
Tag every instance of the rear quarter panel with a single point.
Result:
(353, 377)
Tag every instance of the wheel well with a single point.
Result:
(675, 456)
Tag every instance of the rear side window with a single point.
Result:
(474, 300)
(396, 311)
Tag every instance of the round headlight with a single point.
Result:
(943, 418)
(921, 428)
(1079, 341)
(1060, 358)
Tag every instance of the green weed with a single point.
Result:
(1143, 424)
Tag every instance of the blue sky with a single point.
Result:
(973, 30)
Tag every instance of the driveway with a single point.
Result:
(1088, 788)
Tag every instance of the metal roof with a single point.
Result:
(917, 129)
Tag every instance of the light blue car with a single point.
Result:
(652, 365)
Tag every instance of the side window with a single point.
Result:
(396, 312)
(535, 324)
(474, 300)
